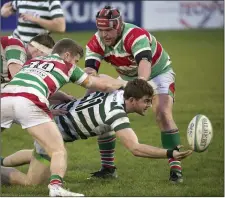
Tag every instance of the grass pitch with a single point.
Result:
(198, 60)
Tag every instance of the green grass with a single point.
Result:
(197, 57)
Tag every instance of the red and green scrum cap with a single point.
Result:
(109, 17)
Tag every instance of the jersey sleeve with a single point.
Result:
(136, 41)
(118, 119)
(78, 76)
(94, 52)
(14, 5)
(15, 51)
(55, 8)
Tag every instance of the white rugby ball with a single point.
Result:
(199, 133)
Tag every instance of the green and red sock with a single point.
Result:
(107, 148)
(56, 180)
(170, 139)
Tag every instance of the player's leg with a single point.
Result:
(162, 105)
(48, 136)
(41, 127)
(38, 173)
(107, 144)
(17, 159)
(7, 113)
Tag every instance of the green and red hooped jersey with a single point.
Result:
(12, 51)
(122, 56)
(46, 75)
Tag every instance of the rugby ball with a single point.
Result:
(199, 133)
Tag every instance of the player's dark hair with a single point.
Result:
(138, 88)
(44, 39)
(68, 45)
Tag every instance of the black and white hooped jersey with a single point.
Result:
(93, 115)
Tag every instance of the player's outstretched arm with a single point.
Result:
(103, 84)
(130, 141)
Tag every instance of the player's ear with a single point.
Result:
(131, 99)
(66, 56)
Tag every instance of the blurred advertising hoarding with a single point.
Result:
(165, 15)
(80, 15)
(152, 15)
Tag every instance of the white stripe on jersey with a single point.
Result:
(70, 125)
(125, 35)
(93, 57)
(99, 41)
(153, 53)
(82, 78)
(54, 79)
(30, 82)
(15, 61)
(14, 47)
(142, 49)
(120, 121)
(113, 113)
(37, 12)
(138, 39)
(62, 74)
(71, 70)
(97, 115)
(19, 89)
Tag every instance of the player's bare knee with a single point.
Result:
(6, 173)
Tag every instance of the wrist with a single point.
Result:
(36, 20)
(169, 153)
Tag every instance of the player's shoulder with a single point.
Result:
(10, 40)
(131, 30)
(95, 44)
(95, 40)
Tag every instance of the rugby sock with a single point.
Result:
(56, 179)
(107, 148)
(2, 158)
(170, 139)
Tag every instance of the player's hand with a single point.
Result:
(29, 17)
(90, 71)
(7, 9)
(69, 98)
(179, 155)
(57, 112)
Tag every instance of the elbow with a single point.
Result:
(135, 151)
(62, 28)
(60, 25)
(4, 13)
(105, 87)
